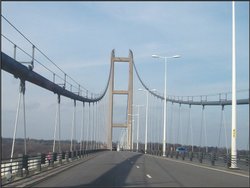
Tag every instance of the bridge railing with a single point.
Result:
(25, 166)
(208, 158)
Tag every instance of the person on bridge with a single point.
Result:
(49, 157)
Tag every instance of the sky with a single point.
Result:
(79, 38)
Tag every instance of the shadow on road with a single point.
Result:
(116, 176)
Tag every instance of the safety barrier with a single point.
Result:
(212, 158)
(24, 165)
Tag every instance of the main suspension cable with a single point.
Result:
(180, 100)
(66, 75)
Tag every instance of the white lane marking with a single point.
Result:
(149, 176)
(137, 167)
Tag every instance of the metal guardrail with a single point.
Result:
(25, 166)
(211, 158)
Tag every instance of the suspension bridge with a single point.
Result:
(140, 151)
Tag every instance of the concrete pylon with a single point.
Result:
(128, 92)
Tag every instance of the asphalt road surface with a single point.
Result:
(125, 169)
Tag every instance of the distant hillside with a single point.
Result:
(33, 146)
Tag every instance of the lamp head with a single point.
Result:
(176, 56)
(155, 56)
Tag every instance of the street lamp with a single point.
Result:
(132, 123)
(138, 125)
(165, 99)
(234, 98)
(146, 128)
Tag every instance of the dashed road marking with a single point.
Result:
(149, 176)
(137, 167)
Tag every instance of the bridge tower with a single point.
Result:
(128, 92)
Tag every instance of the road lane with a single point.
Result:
(123, 168)
(183, 174)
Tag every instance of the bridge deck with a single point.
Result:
(133, 169)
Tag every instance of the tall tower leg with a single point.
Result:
(128, 92)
